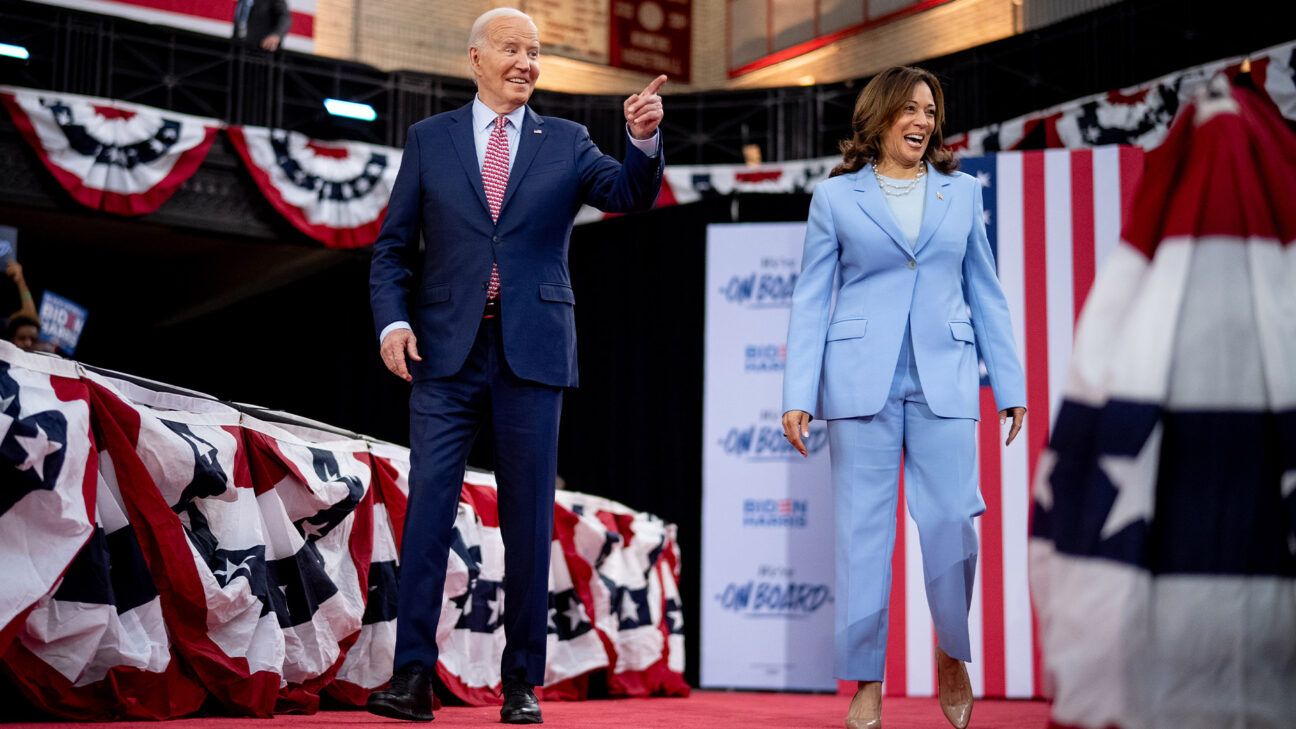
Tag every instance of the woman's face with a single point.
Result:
(906, 141)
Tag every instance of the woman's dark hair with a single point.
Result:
(876, 109)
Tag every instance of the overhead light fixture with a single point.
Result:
(13, 51)
(350, 109)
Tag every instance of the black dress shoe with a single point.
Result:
(408, 697)
(520, 705)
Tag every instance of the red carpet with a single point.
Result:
(703, 710)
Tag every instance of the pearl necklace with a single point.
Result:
(894, 190)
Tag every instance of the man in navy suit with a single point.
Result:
(482, 323)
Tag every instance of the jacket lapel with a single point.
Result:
(530, 137)
(873, 202)
(465, 146)
(934, 207)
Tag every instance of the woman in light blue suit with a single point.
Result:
(898, 235)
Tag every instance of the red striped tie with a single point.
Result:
(495, 172)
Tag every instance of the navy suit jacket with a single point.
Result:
(441, 290)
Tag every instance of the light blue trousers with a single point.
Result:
(942, 496)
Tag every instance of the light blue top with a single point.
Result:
(908, 208)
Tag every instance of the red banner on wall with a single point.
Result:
(653, 36)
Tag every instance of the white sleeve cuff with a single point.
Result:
(391, 328)
(648, 146)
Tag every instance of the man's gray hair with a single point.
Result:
(483, 21)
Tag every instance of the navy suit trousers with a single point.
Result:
(445, 417)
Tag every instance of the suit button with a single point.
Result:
(495, 238)
(913, 264)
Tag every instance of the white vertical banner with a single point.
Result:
(767, 513)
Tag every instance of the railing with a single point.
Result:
(1114, 46)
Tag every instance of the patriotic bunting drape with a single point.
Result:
(111, 156)
(128, 159)
(1140, 115)
(1163, 541)
(268, 573)
(334, 192)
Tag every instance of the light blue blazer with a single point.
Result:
(841, 358)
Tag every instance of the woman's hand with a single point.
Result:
(1017, 415)
(796, 425)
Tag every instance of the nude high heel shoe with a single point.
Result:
(955, 689)
(866, 708)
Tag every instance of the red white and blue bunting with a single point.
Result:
(111, 156)
(334, 192)
(1140, 115)
(268, 573)
(128, 159)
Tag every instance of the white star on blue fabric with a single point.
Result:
(496, 605)
(983, 177)
(38, 448)
(628, 607)
(575, 613)
(231, 568)
(1135, 480)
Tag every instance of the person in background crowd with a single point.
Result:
(262, 23)
(27, 305)
(899, 237)
(22, 327)
(482, 324)
(23, 331)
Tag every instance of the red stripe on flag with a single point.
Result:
(1131, 171)
(992, 578)
(1082, 226)
(1035, 270)
(897, 683)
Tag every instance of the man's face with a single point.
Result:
(25, 337)
(507, 64)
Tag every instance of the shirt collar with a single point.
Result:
(483, 117)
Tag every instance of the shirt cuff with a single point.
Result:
(391, 328)
(649, 146)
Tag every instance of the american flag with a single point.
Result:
(1052, 217)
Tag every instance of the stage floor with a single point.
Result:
(702, 710)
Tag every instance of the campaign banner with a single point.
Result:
(653, 37)
(767, 517)
(61, 321)
(8, 245)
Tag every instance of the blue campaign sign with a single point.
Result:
(61, 321)
(8, 245)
